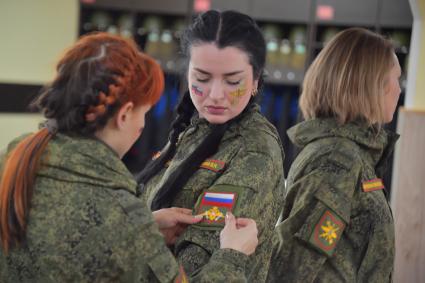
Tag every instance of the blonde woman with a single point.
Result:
(336, 224)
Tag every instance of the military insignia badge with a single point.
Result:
(156, 155)
(372, 185)
(213, 165)
(327, 232)
(213, 207)
(182, 277)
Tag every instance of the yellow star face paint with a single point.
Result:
(238, 93)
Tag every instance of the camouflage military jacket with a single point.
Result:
(336, 224)
(87, 225)
(245, 176)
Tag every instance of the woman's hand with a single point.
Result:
(239, 234)
(173, 221)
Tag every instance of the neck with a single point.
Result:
(111, 139)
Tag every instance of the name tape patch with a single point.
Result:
(372, 185)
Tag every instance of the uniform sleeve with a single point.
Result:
(123, 244)
(316, 211)
(255, 180)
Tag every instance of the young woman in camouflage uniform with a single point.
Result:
(222, 153)
(68, 205)
(336, 223)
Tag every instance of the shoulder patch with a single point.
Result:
(372, 185)
(214, 206)
(327, 232)
(213, 165)
(182, 277)
(156, 155)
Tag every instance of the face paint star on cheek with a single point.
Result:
(197, 90)
(238, 93)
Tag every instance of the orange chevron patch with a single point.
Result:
(156, 155)
(182, 277)
(372, 185)
(213, 165)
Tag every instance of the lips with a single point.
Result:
(215, 110)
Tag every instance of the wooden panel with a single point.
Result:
(349, 12)
(179, 7)
(408, 199)
(396, 13)
(223, 5)
(281, 11)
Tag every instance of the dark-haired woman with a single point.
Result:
(222, 154)
(69, 210)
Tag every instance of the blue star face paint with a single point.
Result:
(197, 90)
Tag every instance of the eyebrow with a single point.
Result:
(226, 74)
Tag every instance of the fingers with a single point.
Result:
(187, 219)
(230, 220)
(182, 210)
(243, 222)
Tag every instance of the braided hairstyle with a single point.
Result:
(95, 77)
(99, 74)
(224, 29)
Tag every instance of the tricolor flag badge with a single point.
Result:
(372, 185)
(214, 206)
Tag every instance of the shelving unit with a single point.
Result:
(295, 31)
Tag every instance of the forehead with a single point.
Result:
(209, 57)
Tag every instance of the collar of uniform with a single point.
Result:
(86, 160)
(380, 142)
(197, 121)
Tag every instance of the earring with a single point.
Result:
(254, 92)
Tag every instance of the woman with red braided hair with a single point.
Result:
(69, 209)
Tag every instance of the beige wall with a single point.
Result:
(34, 34)
(408, 191)
(13, 125)
(419, 100)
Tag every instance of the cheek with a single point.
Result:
(197, 90)
(237, 95)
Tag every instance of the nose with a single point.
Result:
(217, 91)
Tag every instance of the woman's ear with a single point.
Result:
(255, 84)
(123, 115)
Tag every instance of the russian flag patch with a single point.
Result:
(214, 206)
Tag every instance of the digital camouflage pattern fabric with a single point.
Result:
(331, 229)
(87, 225)
(248, 168)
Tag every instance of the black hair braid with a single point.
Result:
(208, 147)
(68, 98)
(181, 175)
(184, 111)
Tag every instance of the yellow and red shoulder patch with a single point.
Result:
(156, 155)
(213, 206)
(372, 185)
(213, 165)
(182, 277)
(327, 232)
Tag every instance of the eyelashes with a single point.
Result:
(232, 83)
